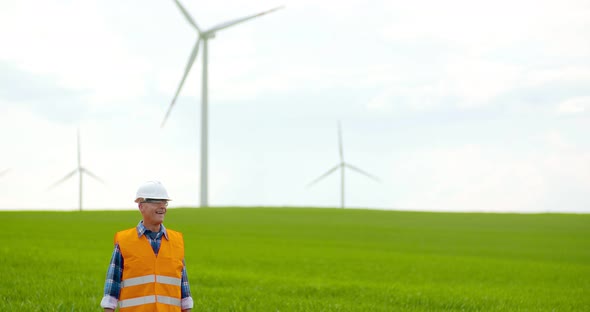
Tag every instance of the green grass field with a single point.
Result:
(296, 259)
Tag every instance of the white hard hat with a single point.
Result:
(151, 189)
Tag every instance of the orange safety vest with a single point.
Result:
(150, 283)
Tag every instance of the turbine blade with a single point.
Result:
(240, 20)
(187, 69)
(187, 16)
(323, 176)
(93, 175)
(362, 172)
(63, 179)
(3, 172)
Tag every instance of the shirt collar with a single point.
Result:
(141, 229)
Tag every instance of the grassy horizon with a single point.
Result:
(313, 259)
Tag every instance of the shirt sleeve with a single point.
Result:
(112, 285)
(187, 300)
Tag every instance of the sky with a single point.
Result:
(454, 105)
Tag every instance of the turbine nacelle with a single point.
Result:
(207, 35)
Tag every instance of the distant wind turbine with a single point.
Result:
(80, 170)
(342, 165)
(204, 36)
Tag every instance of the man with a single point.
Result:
(147, 270)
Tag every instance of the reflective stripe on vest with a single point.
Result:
(147, 300)
(146, 279)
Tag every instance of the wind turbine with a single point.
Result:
(204, 37)
(80, 170)
(342, 165)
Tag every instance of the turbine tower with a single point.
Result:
(342, 165)
(204, 37)
(80, 170)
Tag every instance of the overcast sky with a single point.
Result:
(455, 105)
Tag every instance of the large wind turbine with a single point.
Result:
(342, 165)
(80, 170)
(204, 37)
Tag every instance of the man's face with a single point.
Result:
(153, 212)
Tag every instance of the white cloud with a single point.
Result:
(565, 74)
(476, 82)
(484, 178)
(576, 105)
(483, 26)
(383, 101)
(466, 83)
(488, 50)
(74, 44)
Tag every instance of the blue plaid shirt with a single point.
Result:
(112, 286)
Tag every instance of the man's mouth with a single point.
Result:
(160, 212)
